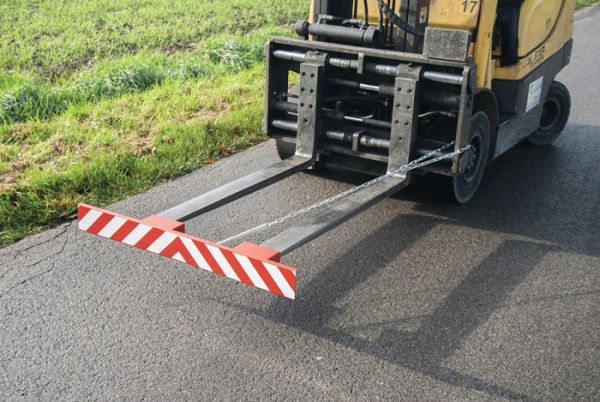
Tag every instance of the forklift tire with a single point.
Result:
(462, 188)
(555, 115)
(285, 148)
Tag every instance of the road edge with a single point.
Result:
(585, 12)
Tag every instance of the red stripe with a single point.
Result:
(212, 264)
(100, 223)
(289, 277)
(266, 277)
(82, 211)
(175, 247)
(150, 238)
(124, 231)
(239, 270)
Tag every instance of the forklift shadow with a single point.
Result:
(547, 194)
(525, 193)
(550, 194)
(440, 333)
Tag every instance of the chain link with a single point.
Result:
(425, 160)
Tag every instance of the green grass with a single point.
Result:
(585, 3)
(110, 150)
(100, 100)
(56, 37)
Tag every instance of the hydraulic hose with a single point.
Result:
(396, 20)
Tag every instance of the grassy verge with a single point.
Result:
(586, 3)
(100, 100)
(105, 152)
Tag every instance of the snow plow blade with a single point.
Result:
(248, 263)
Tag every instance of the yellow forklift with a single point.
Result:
(483, 73)
(391, 88)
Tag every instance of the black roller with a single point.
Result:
(367, 36)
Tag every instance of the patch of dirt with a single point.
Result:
(180, 46)
(7, 182)
(20, 166)
(20, 132)
(210, 114)
(142, 145)
(68, 67)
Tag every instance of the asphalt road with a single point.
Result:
(413, 299)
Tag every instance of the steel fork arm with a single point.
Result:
(354, 204)
(237, 189)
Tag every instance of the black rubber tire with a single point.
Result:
(462, 188)
(557, 108)
(285, 148)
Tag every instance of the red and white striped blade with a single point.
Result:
(240, 265)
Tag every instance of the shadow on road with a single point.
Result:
(541, 194)
(472, 302)
(550, 194)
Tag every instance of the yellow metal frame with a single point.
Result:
(553, 36)
(545, 27)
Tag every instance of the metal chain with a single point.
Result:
(424, 160)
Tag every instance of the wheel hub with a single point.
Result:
(473, 159)
(550, 114)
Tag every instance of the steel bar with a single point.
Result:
(445, 78)
(286, 125)
(289, 55)
(366, 37)
(374, 68)
(382, 89)
(393, 56)
(327, 113)
(237, 189)
(440, 99)
(364, 140)
(366, 121)
(340, 212)
(347, 64)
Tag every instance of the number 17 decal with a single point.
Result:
(469, 6)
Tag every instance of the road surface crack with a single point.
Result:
(54, 237)
(18, 253)
(24, 281)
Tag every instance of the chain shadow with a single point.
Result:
(467, 306)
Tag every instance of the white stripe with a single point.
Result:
(280, 280)
(251, 271)
(162, 242)
(89, 219)
(222, 261)
(193, 250)
(137, 234)
(179, 257)
(115, 224)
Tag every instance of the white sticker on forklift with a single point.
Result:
(535, 93)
